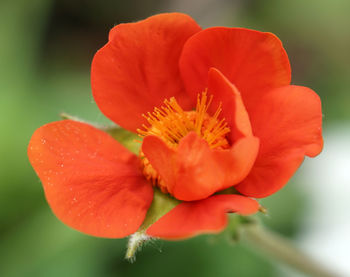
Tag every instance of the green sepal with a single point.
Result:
(72, 117)
(128, 139)
(162, 204)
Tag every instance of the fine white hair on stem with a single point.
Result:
(136, 241)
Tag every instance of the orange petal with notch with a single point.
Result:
(288, 123)
(91, 182)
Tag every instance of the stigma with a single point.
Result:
(171, 123)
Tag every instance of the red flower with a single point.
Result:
(224, 115)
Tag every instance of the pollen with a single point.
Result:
(171, 123)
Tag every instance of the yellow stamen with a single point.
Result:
(171, 123)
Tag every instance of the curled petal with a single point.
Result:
(194, 171)
(288, 123)
(233, 109)
(203, 216)
(91, 182)
(138, 68)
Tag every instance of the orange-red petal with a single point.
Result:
(288, 122)
(254, 61)
(138, 68)
(233, 109)
(194, 171)
(91, 182)
(203, 216)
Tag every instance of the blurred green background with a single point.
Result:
(46, 48)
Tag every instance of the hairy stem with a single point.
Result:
(135, 243)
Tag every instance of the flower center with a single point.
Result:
(171, 123)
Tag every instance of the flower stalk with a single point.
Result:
(283, 250)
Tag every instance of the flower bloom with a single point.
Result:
(216, 111)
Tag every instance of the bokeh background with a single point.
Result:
(46, 47)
